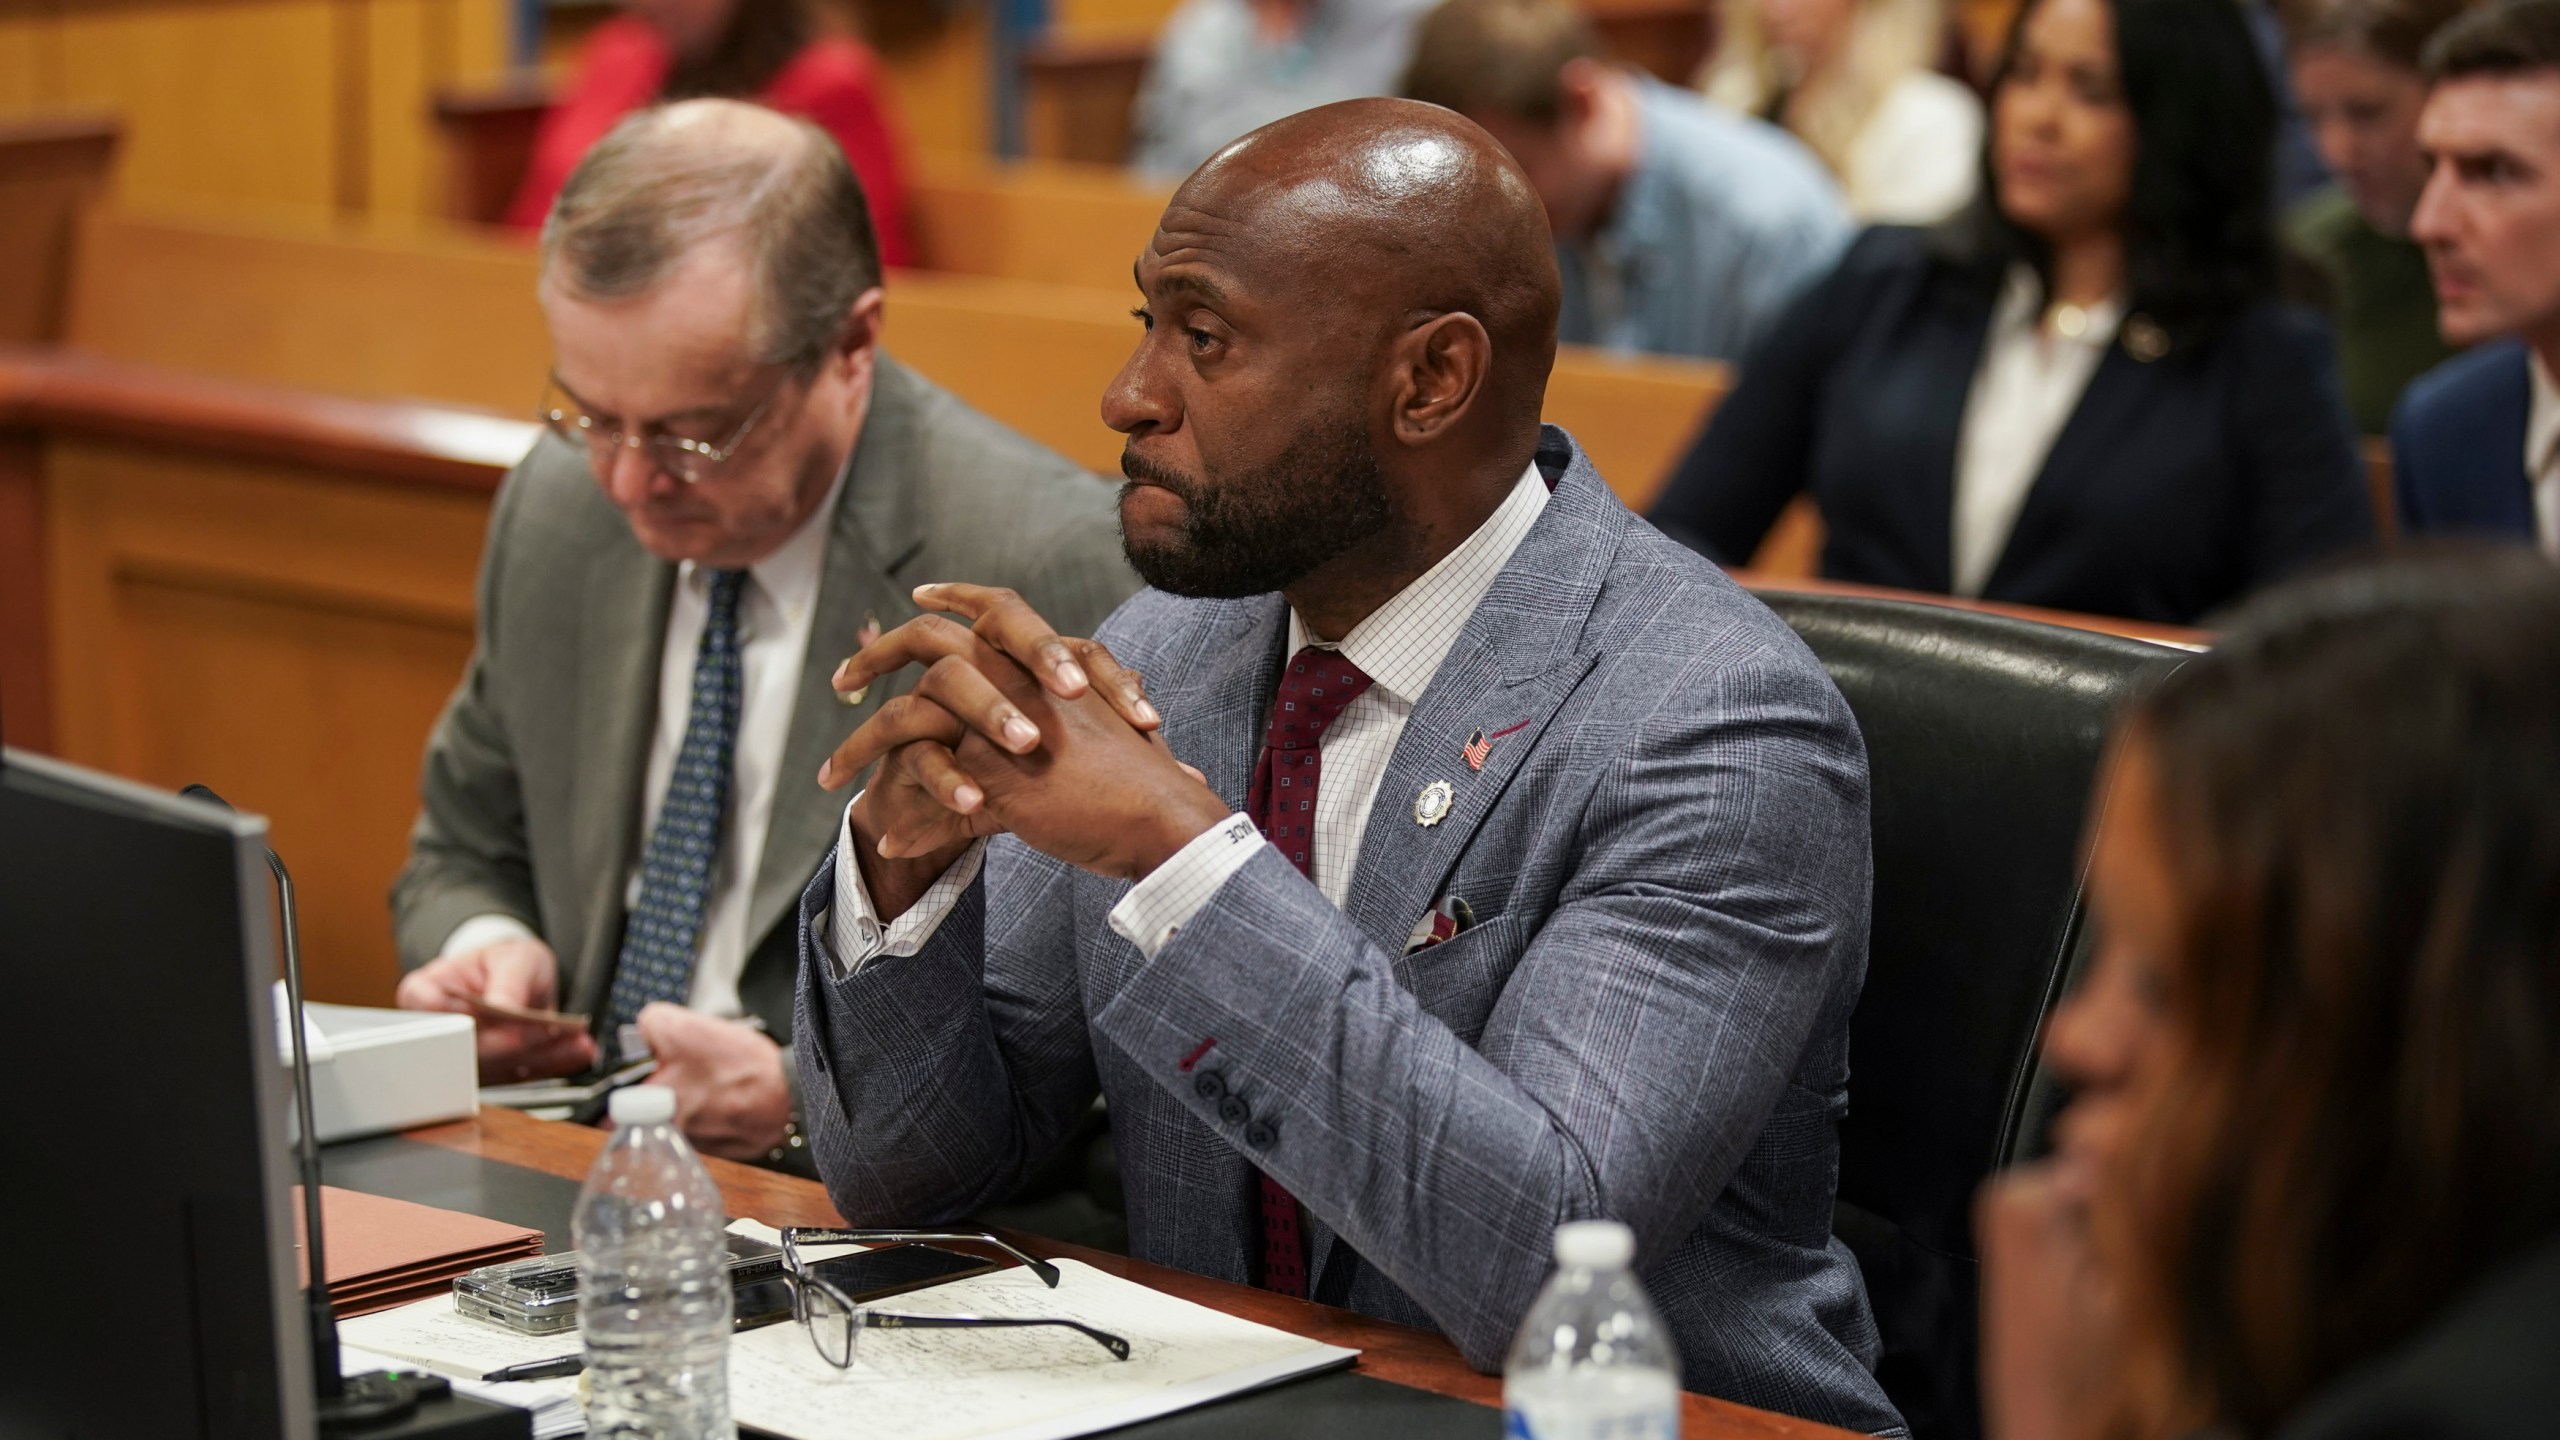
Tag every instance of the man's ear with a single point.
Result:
(858, 343)
(1440, 371)
(1578, 93)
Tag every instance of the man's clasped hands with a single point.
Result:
(1011, 728)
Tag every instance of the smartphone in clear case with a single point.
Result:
(540, 1296)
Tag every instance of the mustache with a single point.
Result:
(1138, 467)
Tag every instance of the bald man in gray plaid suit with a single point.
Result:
(1473, 859)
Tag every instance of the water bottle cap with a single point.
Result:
(1595, 1245)
(643, 1105)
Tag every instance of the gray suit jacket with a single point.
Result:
(1666, 857)
(531, 797)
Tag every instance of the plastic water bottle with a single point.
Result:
(653, 1281)
(1592, 1361)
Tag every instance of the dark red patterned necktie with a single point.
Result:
(1313, 691)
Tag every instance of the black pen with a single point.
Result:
(541, 1369)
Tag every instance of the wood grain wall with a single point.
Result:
(319, 104)
(285, 634)
(327, 105)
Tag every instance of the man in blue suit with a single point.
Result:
(1523, 875)
(2475, 442)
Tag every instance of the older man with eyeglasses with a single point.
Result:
(738, 488)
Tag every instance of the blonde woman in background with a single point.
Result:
(1855, 80)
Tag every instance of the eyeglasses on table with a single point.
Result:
(834, 1323)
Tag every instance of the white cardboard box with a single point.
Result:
(375, 1071)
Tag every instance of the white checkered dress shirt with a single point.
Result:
(1399, 646)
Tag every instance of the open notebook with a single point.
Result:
(940, 1384)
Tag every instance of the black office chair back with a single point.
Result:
(1984, 736)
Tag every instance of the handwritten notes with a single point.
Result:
(1032, 1383)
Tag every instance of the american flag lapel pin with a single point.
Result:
(1476, 749)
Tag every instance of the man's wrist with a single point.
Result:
(895, 884)
(1176, 827)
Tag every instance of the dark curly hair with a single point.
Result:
(2199, 225)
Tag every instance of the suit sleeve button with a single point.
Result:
(1234, 1111)
(1259, 1135)
(1208, 1085)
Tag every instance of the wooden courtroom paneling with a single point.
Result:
(315, 103)
(26, 640)
(940, 85)
(445, 317)
(408, 51)
(51, 170)
(1054, 221)
(488, 132)
(453, 318)
(284, 635)
(230, 101)
(27, 36)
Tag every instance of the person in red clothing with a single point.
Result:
(775, 52)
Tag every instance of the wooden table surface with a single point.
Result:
(1397, 1353)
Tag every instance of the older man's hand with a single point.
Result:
(732, 1099)
(522, 973)
(1012, 728)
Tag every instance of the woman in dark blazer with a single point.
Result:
(2081, 393)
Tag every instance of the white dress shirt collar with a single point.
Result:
(2542, 455)
(790, 575)
(1401, 643)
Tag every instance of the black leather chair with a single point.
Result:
(1983, 741)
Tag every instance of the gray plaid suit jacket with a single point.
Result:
(1667, 862)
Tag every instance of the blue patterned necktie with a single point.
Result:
(665, 928)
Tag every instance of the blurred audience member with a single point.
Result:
(2355, 71)
(779, 53)
(1680, 229)
(2309, 1184)
(1855, 81)
(2081, 393)
(1225, 67)
(2299, 171)
(2475, 445)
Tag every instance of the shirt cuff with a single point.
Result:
(1165, 901)
(854, 929)
(481, 931)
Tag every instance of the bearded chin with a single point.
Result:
(1266, 529)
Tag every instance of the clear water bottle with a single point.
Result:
(653, 1281)
(1592, 1361)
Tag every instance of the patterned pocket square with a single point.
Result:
(1440, 923)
